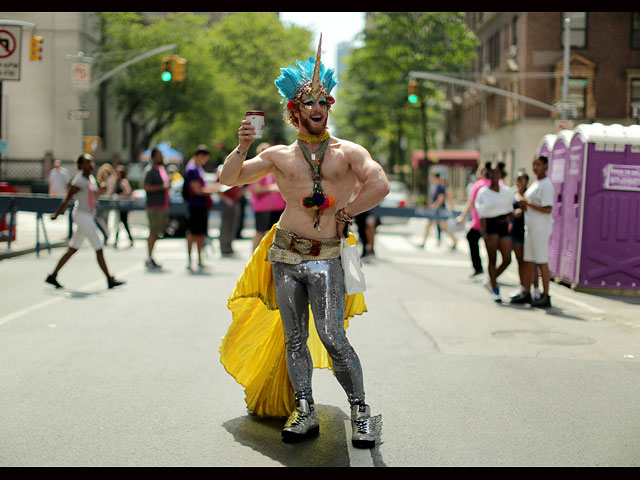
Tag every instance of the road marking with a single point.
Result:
(358, 457)
(50, 301)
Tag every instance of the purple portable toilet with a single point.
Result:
(546, 144)
(557, 168)
(601, 216)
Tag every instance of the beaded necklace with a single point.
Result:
(317, 201)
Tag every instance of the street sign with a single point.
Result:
(80, 75)
(4, 147)
(10, 37)
(569, 108)
(78, 114)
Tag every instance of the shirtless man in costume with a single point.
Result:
(316, 176)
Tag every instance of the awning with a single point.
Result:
(169, 154)
(463, 158)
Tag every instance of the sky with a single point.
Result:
(336, 27)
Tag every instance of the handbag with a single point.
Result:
(352, 266)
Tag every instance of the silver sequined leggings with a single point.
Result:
(321, 284)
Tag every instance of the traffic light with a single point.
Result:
(412, 95)
(35, 53)
(179, 66)
(167, 64)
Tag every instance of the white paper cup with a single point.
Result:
(256, 117)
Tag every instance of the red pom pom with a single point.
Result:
(290, 105)
(331, 100)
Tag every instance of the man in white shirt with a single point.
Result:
(58, 180)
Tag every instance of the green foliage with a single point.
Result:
(372, 108)
(231, 66)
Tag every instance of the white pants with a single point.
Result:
(85, 227)
(536, 242)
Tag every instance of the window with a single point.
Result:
(635, 95)
(514, 31)
(578, 29)
(494, 50)
(635, 31)
(578, 94)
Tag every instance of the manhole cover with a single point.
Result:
(543, 337)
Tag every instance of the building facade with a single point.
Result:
(523, 53)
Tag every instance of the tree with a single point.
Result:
(228, 72)
(373, 107)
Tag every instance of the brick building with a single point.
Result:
(522, 53)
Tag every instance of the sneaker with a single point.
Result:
(495, 294)
(521, 298)
(112, 282)
(301, 424)
(150, 263)
(543, 302)
(52, 280)
(364, 427)
(517, 292)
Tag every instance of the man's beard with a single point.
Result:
(312, 127)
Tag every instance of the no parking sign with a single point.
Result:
(10, 52)
(80, 75)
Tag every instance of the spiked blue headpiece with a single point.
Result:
(308, 72)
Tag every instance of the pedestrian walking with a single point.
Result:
(156, 185)
(58, 180)
(198, 197)
(439, 204)
(474, 234)
(316, 176)
(123, 191)
(85, 189)
(367, 224)
(230, 217)
(537, 203)
(494, 203)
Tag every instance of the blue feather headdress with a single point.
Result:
(309, 72)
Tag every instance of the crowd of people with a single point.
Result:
(514, 220)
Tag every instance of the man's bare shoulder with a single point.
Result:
(277, 151)
(348, 147)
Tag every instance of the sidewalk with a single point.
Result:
(27, 236)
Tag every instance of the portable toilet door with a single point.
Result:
(568, 222)
(556, 171)
(608, 246)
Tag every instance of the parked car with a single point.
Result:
(398, 196)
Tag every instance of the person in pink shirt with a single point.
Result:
(266, 201)
(474, 235)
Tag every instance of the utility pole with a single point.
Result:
(565, 65)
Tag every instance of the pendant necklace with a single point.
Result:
(317, 201)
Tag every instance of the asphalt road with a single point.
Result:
(131, 376)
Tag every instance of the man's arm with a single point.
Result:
(375, 185)
(72, 191)
(239, 171)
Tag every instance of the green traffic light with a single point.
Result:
(413, 98)
(166, 76)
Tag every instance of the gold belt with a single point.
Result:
(288, 247)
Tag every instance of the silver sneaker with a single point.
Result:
(302, 423)
(364, 427)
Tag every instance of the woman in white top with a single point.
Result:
(494, 204)
(538, 203)
(86, 191)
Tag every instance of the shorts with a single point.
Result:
(517, 235)
(267, 219)
(85, 227)
(158, 221)
(536, 243)
(497, 227)
(198, 220)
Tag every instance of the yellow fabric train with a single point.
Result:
(253, 350)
